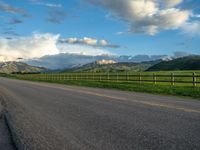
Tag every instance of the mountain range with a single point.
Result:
(109, 65)
(67, 60)
(184, 63)
(19, 67)
(113, 67)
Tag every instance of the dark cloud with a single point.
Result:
(112, 46)
(56, 16)
(10, 9)
(10, 32)
(9, 38)
(15, 21)
(13, 10)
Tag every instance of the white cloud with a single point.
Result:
(192, 28)
(81, 49)
(195, 15)
(38, 45)
(103, 42)
(85, 40)
(53, 5)
(147, 16)
(89, 42)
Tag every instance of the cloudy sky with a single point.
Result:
(34, 28)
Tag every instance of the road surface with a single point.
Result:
(46, 116)
(6, 142)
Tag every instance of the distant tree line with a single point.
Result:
(22, 72)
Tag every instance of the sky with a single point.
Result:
(35, 28)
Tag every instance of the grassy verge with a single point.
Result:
(145, 87)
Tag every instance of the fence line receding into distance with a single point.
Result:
(192, 79)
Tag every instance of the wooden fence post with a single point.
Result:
(154, 78)
(194, 79)
(140, 78)
(93, 75)
(108, 76)
(172, 79)
(127, 76)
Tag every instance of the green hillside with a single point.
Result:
(184, 63)
(117, 67)
(18, 67)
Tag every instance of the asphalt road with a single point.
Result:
(57, 117)
(6, 142)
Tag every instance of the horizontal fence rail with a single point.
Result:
(153, 78)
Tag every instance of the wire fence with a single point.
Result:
(192, 79)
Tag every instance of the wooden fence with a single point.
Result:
(170, 79)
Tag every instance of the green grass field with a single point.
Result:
(179, 78)
(124, 81)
